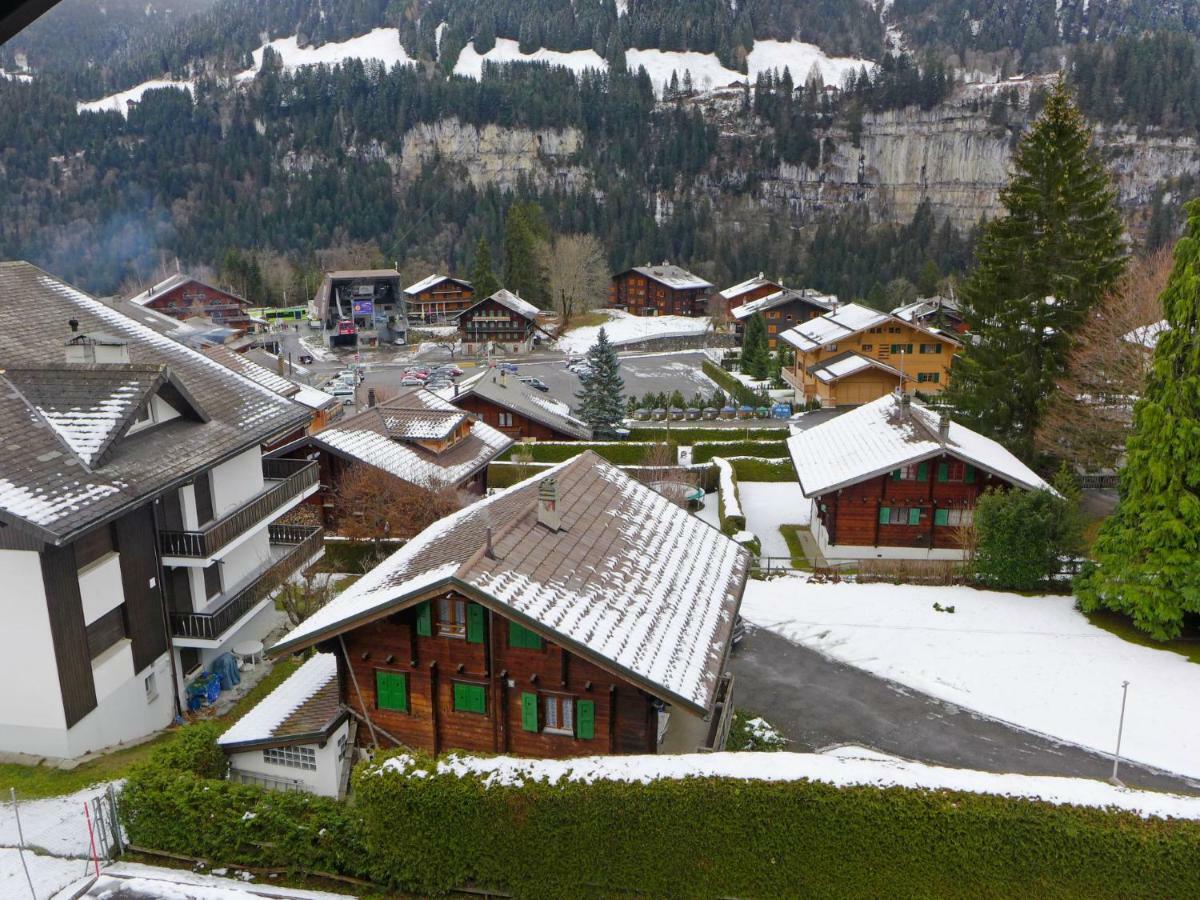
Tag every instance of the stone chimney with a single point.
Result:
(547, 508)
(943, 428)
(905, 405)
(503, 378)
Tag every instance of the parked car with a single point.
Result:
(452, 371)
(412, 381)
(510, 368)
(344, 393)
(582, 370)
(306, 359)
(536, 383)
(420, 376)
(437, 384)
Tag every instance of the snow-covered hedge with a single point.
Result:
(729, 507)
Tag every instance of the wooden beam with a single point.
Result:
(612, 718)
(358, 693)
(563, 656)
(434, 713)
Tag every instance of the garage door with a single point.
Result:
(853, 393)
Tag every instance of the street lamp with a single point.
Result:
(1120, 728)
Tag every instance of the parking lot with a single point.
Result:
(658, 372)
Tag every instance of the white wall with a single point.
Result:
(324, 780)
(236, 480)
(100, 587)
(112, 668)
(126, 713)
(249, 557)
(31, 714)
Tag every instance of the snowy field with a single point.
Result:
(769, 504)
(55, 824)
(846, 767)
(1034, 662)
(119, 102)
(623, 327)
(470, 62)
(381, 44)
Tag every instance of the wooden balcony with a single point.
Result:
(296, 545)
(286, 479)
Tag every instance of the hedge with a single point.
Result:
(763, 449)
(694, 837)
(692, 436)
(353, 556)
(748, 469)
(731, 385)
(729, 506)
(620, 453)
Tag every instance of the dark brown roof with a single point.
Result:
(306, 706)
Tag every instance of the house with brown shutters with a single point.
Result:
(438, 298)
(139, 523)
(782, 310)
(895, 479)
(663, 290)
(578, 612)
(502, 323)
(745, 291)
(514, 409)
(184, 297)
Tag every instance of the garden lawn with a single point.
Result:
(1035, 662)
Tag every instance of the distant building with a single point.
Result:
(664, 290)
(577, 613)
(934, 312)
(751, 289)
(503, 322)
(854, 354)
(507, 404)
(894, 480)
(783, 310)
(183, 297)
(360, 307)
(438, 298)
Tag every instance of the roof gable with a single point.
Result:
(671, 276)
(847, 320)
(507, 392)
(306, 703)
(432, 281)
(750, 284)
(782, 298)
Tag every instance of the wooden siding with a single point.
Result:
(521, 427)
(138, 545)
(445, 298)
(193, 298)
(68, 633)
(643, 296)
(433, 664)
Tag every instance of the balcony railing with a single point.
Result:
(292, 477)
(303, 542)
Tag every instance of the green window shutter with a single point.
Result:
(519, 636)
(470, 698)
(923, 472)
(943, 471)
(941, 517)
(391, 691)
(424, 620)
(884, 514)
(908, 349)
(585, 719)
(474, 623)
(529, 712)
(969, 476)
(914, 517)
(895, 474)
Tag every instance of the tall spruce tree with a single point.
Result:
(525, 237)
(483, 279)
(1148, 551)
(601, 400)
(1040, 268)
(755, 355)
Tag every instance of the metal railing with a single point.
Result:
(292, 477)
(270, 782)
(305, 541)
(722, 719)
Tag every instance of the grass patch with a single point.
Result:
(354, 556)
(753, 733)
(589, 320)
(1187, 646)
(702, 453)
(791, 534)
(763, 470)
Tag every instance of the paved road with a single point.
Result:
(660, 373)
(818, 703)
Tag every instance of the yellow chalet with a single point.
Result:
(854, 354)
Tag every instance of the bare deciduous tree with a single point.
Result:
(1089, 415)
(301, 598)
(578, 274)
(665, 475)
(372, 505)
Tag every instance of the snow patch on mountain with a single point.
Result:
(470, 61)
(382, 44)
(119, 102)
(800, 59)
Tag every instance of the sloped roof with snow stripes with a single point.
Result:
(509, 393)
(844, 364)
(251, 370)
(750, 284)
(845, 321)
(878, 437)
(672, 276)
(782, 297)
(431, 281)
(631, 580)
(305, 703)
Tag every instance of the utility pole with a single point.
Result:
(1120, 729)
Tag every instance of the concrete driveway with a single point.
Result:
(818, 703)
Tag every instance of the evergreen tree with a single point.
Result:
(483, 279)
(525, 236)
(755, 356)
(1040, 269)
(1147, 551)
(601, 403)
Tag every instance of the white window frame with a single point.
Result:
(550, 709)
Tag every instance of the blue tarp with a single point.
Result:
(226, 667)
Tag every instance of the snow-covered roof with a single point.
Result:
(384, 437)
(508, 392)
(880, 436)
(1147, 335)
(430, 281)
(849, 363)
(172, 282)
(782, 297)
(750, 284)
(305, 704)
(252, 370)
(844, 321)
(509, 301)
(672, 276)
(631, 581)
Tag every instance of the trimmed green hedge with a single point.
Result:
(694, 436)
(353, 556)
(763, 449)
(738, 391)
(730, 524)
(620, 453)
(695, 837)
(763, 469)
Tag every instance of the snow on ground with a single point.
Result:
(16, 76)
(1034, 662)
(831, 769)
(767, 505)
(382, 44)
(119, 101)
(709, 513)
(49, 874)
(470, 62)
(707, 71)
(799, 59)
(179, 884)
(54, 824)
(623, 328)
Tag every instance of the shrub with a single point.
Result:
(698, 434)
(194, 750)
(738, 391)
(755, 734)
(764, 449)
(729, 507)
(1023, 537)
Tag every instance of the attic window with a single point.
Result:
(145, 418)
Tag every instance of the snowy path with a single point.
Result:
(54, 824)
(769, 504)
(1034, 662)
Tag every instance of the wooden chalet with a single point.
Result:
(934, 312)
(416, 437)
(576, 613)
(183, 297)
(664, 290)
(438, 298)
(751, 289)
(515, 409)
(854, 354)
(503, 323)
(894, 480)
(782, 310)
